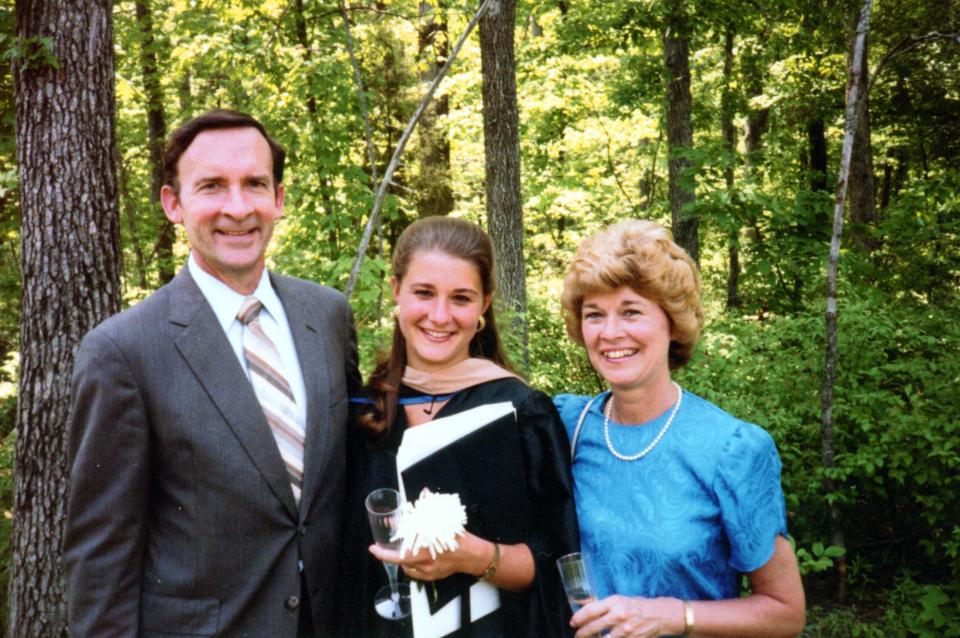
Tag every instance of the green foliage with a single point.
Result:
(818, 558)
(909, 609)
(29, 53)
(895, 419)
(6, 517)
(590, 87)
(9, 217)
(917, 240)
(557, 366)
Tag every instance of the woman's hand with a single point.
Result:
(472, 556)
(626, 616)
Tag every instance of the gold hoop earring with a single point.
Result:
(395, 313)
(481, 324)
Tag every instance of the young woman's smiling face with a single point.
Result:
(627, 337)
(440, 301)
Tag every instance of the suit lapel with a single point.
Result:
(207, 351)
(313, 354)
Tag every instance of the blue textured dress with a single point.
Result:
(704, 506)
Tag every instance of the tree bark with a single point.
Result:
(755, 127)
(436, 194)
(323, 177)
(855, 86)
(501, 140)
(753, 69)
(676, 55)
(862, 186)
(817, 139)
(753, 72)
(729, 131)
(128, 210)
(156, 133)
(894, 173)
(70, 259)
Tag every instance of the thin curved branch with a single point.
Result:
(907, 44)
(401, 144)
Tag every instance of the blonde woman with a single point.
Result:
(675, 497)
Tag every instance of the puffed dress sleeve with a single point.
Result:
(570, 407)
(751, 499)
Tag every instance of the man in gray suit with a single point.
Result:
(207, 451)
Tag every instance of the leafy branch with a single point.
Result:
(34, 53)
(907, 44)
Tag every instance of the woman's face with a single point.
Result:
(627, 337)
(440, 300)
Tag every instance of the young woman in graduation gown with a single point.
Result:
(446, 358)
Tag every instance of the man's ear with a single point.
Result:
(171, 204)
(280, 196)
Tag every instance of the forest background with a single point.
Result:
(873, 491)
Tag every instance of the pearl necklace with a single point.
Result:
(642, 453)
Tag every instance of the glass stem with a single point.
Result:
(392, 570)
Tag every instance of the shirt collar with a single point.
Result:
(226, 301)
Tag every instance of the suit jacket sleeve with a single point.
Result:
(351, 368)
(107, 514)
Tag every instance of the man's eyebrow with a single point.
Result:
(210, 178)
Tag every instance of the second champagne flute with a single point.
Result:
(383, 510)
(576, 581)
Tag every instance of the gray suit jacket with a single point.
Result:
(181, 520)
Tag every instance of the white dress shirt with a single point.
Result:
(226, 303)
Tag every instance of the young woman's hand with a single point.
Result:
(472, 556)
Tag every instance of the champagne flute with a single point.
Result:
(383, 511)
(576, 581)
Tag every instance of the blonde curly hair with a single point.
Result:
(642, 256)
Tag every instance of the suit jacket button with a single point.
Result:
(292, 602)
(303, 530)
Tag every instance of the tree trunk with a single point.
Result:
(755, 127)
(855, 87)
(818, 155)
(436, 195)
(156, 133)
(862, 185)
(501, 138)
(676, 55)
(753, 71)
(729, 131)
(185, 95)
(863, 198)
(129, 212)
(323, 178)
(893, 176)
(757, 121)
(70, 260)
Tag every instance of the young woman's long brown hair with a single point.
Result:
(457, 238)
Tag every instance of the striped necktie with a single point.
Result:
(273, 391)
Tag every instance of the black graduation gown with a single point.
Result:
(550, 529)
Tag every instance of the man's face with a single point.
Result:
(227, 202)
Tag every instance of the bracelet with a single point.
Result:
(687, 618)
(494, 563)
